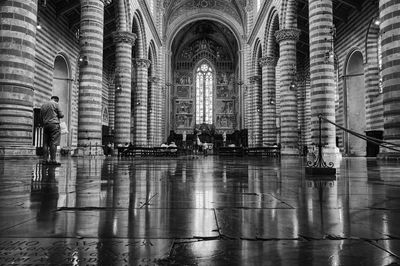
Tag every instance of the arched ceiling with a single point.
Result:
(235, 9)
(206, 30)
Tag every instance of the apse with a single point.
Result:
(205, 70)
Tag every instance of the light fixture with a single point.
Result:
(272, 101)
(293, 83)
(377, 21)
(118, 88)
(38, 24)
(330, 55)
(44, 3)
(83, 60)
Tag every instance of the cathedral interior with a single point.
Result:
(284, 116)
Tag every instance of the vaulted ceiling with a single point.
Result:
(206, 30)
(176, 8)
(173, 9)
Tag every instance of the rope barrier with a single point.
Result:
(365, 137)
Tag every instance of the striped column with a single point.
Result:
(17, 70)
(322, 74)
(268, 65)
(390, 73)
(287, 39)
(253, 118)
(154, 113)
(256, 111)
(123, 59)
(140, 104)
(91, 77)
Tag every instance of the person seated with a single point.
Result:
(164, 145)
(173, 146)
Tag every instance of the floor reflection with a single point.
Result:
(198, 211)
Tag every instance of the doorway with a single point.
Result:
(61, 88)
(355, 104)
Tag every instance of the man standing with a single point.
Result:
(50, 114)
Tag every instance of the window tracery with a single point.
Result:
(204, 94)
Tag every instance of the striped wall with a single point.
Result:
(54, 38)
(359, 34)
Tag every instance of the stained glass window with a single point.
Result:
(204, 94)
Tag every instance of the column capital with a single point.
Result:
(141, 62)
(124, 36)
(287, 34)
(268, 61)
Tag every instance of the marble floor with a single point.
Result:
(198, 211)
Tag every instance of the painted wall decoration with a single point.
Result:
(183, 79)
(183, 91)
(225, 107)
(184, 107)
(183, 121)
(225, 121)
(186, 102)
(225, 91)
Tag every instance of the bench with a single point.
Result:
(271, 151)
(238, 151)
(150, 151)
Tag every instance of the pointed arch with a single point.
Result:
(152, 56)
(62, 87)
(270, 45)
(204, 80)
(139, 29)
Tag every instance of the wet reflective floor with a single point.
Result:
(198, 211)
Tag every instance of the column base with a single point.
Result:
(17, 152)
(388, 156)
(329, 154)
(88, 151)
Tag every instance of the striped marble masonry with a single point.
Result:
(268, 100)
(123, 54)
(287, 39)
(390, 30)
(374, 112)
(150, 110)
(17, 68)
(256, 111)
(140, 106)
(90, 85)
(155, 112)
(321, 71)
(291, 14)
(159, 102)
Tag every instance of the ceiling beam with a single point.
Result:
(351, 4)
(68, 8)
